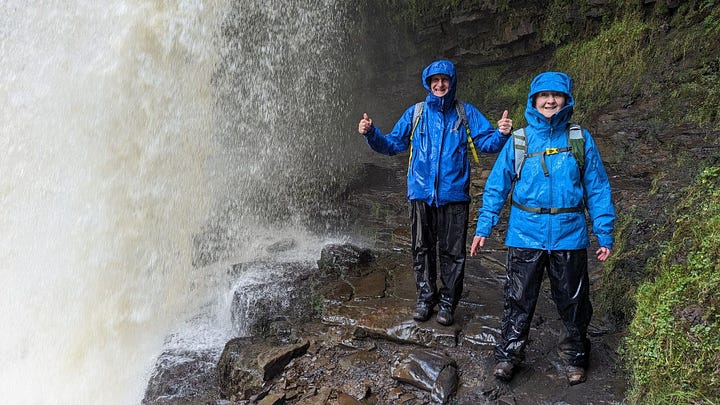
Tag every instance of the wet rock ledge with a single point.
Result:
(342, 333)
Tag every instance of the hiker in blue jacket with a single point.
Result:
(551, 191)
(440, 134)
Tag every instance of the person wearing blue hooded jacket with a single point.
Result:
(547, 229)
(438, 183)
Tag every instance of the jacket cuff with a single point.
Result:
(482, 230)
(605, 241)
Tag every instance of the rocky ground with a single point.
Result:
(370, 328)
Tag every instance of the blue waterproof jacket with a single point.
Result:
(565, 187)
(439, 167)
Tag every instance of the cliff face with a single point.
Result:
(496, 44)
(399, 40)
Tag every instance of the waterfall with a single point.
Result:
(143, 141)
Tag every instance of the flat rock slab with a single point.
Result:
(380, 304)
(388, 318)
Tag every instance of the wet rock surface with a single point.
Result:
(430, 371)
(184, 377)
(256, 307)
(246, 363)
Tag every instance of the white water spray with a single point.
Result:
(104, 133)
(117, 146)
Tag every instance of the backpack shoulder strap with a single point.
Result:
(520, 147)
(462, 117)
(417, 113)
(576, 141)
(462, 120)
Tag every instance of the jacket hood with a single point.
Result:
(442, 67)
(550, 81)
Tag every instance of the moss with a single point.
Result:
(712, 20)
(673, 342)
(417, 13)
(615, 297)
(700, 87)
(481, 89)
(688, 61)
(557, 27)
(610, 65)
(623, 62)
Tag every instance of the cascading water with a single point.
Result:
(142, 141)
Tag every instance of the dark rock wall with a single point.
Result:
(394, 52)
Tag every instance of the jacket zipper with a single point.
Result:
(549, 219)
(436, 191)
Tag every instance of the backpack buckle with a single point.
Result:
(552, 151)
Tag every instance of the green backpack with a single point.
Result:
(576, 146)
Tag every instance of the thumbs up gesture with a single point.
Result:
(505, 124)
(365, 124)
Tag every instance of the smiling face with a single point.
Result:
(439, 84)
(549, 102)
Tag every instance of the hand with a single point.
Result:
(364, 125)
(478, 242)
(505, 124)
(603, 253)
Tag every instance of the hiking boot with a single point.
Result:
(504, 371)
(422, 313)
(445, 316)
(575, 375)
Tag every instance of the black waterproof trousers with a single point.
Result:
(439, 232)
(569, 284)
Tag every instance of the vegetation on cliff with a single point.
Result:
(673, 341)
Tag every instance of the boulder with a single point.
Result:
(428, 370)
(270, 297)
(345, 260)
(182, 377)
(247, 363)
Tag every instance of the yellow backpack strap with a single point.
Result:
(462, 120)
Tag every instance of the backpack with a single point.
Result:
(460, 108)
(576, 146)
